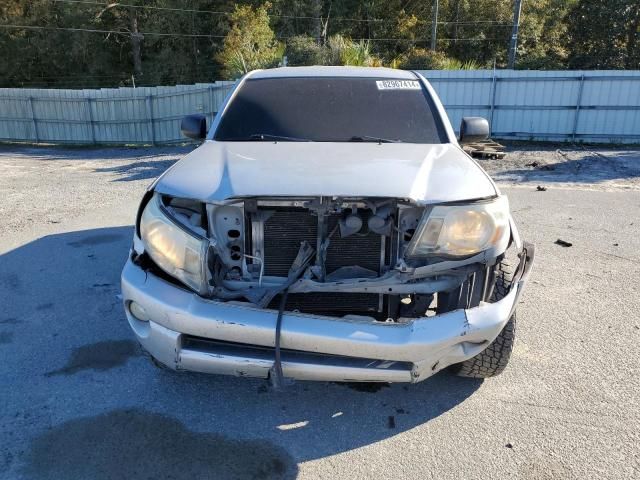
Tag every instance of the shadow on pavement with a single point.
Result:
(150, 445)
(129, 172)
(128, 163)
(117, 416)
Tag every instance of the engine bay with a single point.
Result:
(332, 256)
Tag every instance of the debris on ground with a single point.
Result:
(540, 166)
(563, 243)
(392, 422)
(540, 188)
(508, 445)
(487, 149)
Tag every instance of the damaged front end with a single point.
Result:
(334, 256)
(364, 262)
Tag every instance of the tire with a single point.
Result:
(494, 359)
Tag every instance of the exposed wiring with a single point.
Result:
(277, 376)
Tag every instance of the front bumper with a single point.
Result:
(188, 332)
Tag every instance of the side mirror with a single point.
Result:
(194, 126)
(473, 129)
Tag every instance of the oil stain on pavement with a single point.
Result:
(137, 444)
(99, 356)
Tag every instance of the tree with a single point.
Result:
(543, 35)
(250, 43)
(164, 42)
(604, 35)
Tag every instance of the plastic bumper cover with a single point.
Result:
(188, 332)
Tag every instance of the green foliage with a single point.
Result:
(421, 59)
(339, 50)
(344, 51)
(543, 32)
(250, 44)
(177, 43)
(455, 64)
(604, 35)
(303, 50)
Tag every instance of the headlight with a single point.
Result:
(462, 230)
(175, 250)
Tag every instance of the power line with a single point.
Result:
(299, 17)
(117, 32)
(145, 7)
(197, 35)
(216, 12)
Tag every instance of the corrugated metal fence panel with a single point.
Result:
(599, 106)
(15, 118)
(111, 115)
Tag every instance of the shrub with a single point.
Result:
(423, 59)
(304, 50)
(344, 51)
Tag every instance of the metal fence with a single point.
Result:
(586, 106)
(592, 106)
(144, 115)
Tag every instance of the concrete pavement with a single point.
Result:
(79, 401)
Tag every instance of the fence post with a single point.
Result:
(152, 130)
(93, 132)
(577, 115)
(493, 102)
(33, 120)
(210, 98)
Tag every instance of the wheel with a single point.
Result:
(494, 359)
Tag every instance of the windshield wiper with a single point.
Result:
(261, 137)
(268, 136)
(367, 138)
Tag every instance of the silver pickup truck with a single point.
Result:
(329, 227)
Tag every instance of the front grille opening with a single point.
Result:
(331, 304)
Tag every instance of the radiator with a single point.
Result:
(283, 233)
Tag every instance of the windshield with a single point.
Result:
(331, 109)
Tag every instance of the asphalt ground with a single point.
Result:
(77, 399)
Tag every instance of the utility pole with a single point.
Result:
(434, 25)
(316, 6)
(517, 7)
(136, 38)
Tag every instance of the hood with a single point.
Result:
(423, 173)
